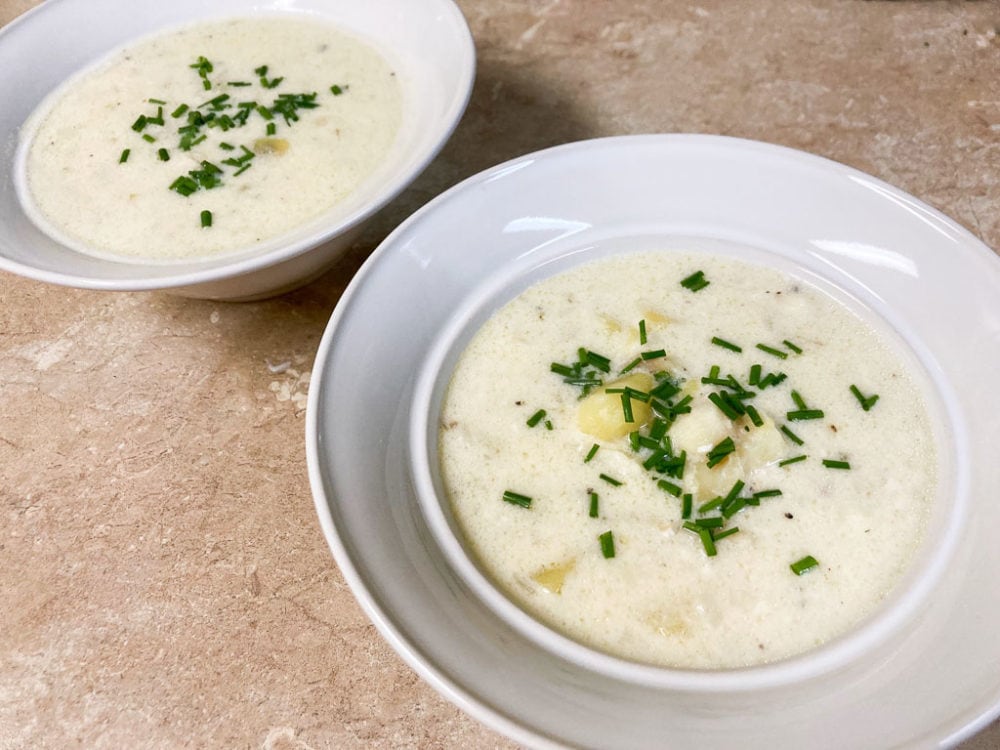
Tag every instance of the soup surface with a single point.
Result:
(209, 138)
(686, 460)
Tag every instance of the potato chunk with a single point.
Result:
(602, 415)
(552, 577)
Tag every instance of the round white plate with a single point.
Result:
(934, 682)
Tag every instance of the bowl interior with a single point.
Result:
(426, 42)
(510, 280)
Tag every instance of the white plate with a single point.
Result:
(935, 682)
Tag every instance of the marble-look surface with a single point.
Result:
(163, 579)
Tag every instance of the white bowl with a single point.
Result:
(427, 42)
(921, 673)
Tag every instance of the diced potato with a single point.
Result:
(652, 316)
(761, 445)
(701, 429)
(601, 413)
(270, 146)
(552, 577)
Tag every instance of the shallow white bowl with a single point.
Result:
(922, 673)
(427, 42)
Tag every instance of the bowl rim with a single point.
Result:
(962, 718)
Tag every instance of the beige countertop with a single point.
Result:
(163, 578)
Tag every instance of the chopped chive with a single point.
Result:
(611, 480)
(226, 146)
(788, 344)
(767, 493)
(642, 332)
(241, 170)
(771, 379)
(631, 365)
(156, 101)
(695, 282)
(715, 522)
(669, 487)
(548, 425)
(599, 361)
(713, 504)
(726, 532)
(755, 374)
(633, 440)
(867, 402)
(726, 344)
(800, 415)
(591, 453)
(179, 112)
(164, 154)
(754, 415)
(720, 451)
(516, 498)
(707, 542)
(593, 505)
(791, 435)
(732, 409)
(124, 157)
(238, 83)
(206, 219)
(801, 566)
(148, 138)
(272, 128)
(799, 401)
(655, 354)
(833, 464)
(627, 414)
(686, 502)
(537, 417)
(793, 460)
(607, 540)
(771, 350)
(140, 123)
(337, 90)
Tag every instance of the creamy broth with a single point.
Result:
(100, 178)
(857, 504)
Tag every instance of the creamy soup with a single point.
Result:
(209, 138)
(686, 460)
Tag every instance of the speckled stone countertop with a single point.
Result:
(163, 578)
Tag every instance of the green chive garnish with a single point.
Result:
(793, 460)
(206, 219)
(788, 344)
(801, 566)
(727, 532)
(803, 414)
(791, 435)
(655, 354)
(591, 453)
(631, 365)
(726, 344)
(642, 332)
(124, 157)
(867, 402)
(754, 415)
(686, 502)
(272, 128)
(610, 480)
(593, 505)
(771, 350)
(164, 154)
(720, 451)
(767, 493)
(148, 138)
(537, 417)
(607, 540)
(179, 112)
(516, 498)
(832, 464)
(627, 408)
(695, 282)
(669, 487)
